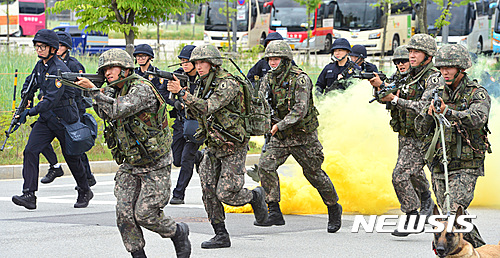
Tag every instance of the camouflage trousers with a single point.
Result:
(140, 199)
(309, 156)
(408, 177)
(222, 181)
(461, 185)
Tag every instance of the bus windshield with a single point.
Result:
(289, 14)
(215, 21)
(357, 15)
(459, 20)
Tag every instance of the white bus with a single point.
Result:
(480, 38)
(360, 22)
(13, 6)
(252, 23)
(461, 22)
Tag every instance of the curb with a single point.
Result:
(97, 167)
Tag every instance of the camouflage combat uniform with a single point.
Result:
(139, 139)
(468, 107)
(289, 92)
(408, 177)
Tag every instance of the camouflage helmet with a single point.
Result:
(208, 53)
(278, 48)
(424, 43)
(454, 55)
(401, 52)
(115, 57)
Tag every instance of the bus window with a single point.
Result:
(319, 16)
(31, 8)
(357, 15)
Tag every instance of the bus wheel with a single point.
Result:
(395, 43)
(479, 47)
(19, 33)
(263, 40)
(328, 44)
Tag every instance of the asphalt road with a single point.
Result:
(56, 229)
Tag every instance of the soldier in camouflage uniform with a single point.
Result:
(408, 178)
(294, 132)
(137, 134)
(218, 104)
(466, 105)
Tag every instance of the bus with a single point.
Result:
(362, 22)
(480, 38)
(31, 17)
(461, 22)
(289, 18)
(495, 7)
(252, 21)
(13, 8)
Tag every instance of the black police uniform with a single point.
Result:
(184, 151)
(260, 69)
(58, 104)
(330, 74)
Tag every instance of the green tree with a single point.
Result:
(121, 15)
(310, 5)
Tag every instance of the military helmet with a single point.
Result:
(48, 37)
(208, 53)
(186, 52)
(144, 49)
(401, 52)
(115, 57)
(454, 55)
(278, 48)
(65, 39)
(424, 43)
(359, 51)
(341, 43)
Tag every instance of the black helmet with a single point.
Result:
(341, 43)
(186, 52)
(359, 51)
(65, 39)
(144, 49)
(48, 37)
(273, 36)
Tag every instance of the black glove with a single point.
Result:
(178, 105)
(22, 117)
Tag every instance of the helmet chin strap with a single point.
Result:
(63, 54)
(455, 77)
(48, 56)
(338, 59)
(147, 61)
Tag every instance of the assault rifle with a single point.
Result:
(267, 136)
(367, 75)
(169, 76)
(337, 84)
(27, 95)
(392, 87)
(69, 78)
(436, 101)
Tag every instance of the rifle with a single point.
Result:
(184, 79)
(436, 101)
(27, 95)
(69, 78)
(392, 87)
(367, 76)
(337, 83)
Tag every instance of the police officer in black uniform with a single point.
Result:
(333, 76)
(57, 105)
(144, 55)
(65, 45)
(358, 56)
(184, 147)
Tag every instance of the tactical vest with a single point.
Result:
(226, 124)
(465, 147)
(402, 121)
(142, 138)
(283, 100)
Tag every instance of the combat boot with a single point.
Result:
(259, 205)
(404, 234)
(83, 198)
(52, 174)
(139, 254)
(426, 205)
(334, 218)
(221, 238)
(181, 241)
(27, 200)
(275, 216)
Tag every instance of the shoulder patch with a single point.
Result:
(223, 85)
(480, 95)
(151, 77)
(434, 79)
(80, 71)
(301, 80)
(58, 84)
(47, 74)
(161, 80)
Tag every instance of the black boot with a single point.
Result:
(404, 234)
(426, 204)
(91, 180)
(52, 174)
(334, 218)
(221, 238)
(28, 200)
(275, 216)
(259, 205)
(84, 198)
(139, 254)
(181, 241)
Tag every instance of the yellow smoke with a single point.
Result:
(360, 153)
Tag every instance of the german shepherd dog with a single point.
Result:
(452, 244)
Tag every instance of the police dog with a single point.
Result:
(452, 244)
